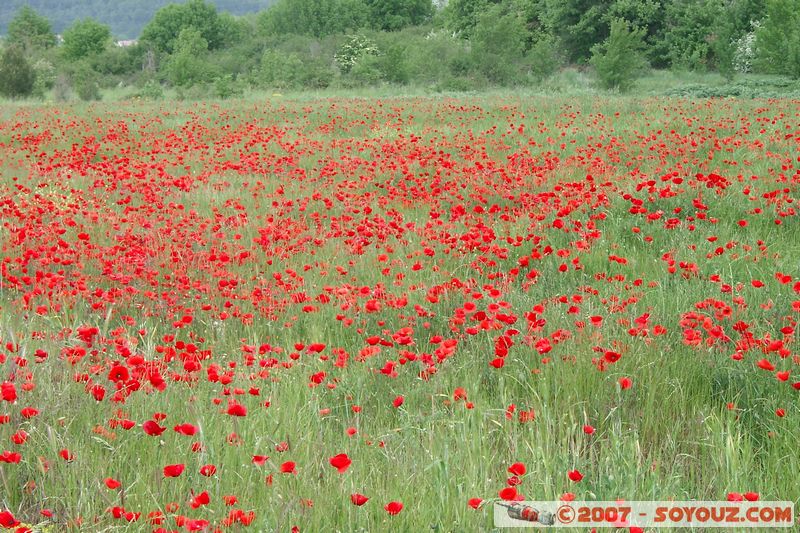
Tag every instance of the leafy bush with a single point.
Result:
(228, 87)
(745, 51)
(778, 39)
(45, 77)
(280, 70)
(498, 45)
(619, 60)
(544, 57)
(691, 27)
(354, 49)
(777, 87)
(85, 38)
(85, 82)
(187, 66)
(152, 90)
(17, 76)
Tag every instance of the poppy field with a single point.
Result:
(386, 314)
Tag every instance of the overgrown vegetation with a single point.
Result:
(198, 51)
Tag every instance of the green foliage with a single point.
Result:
(437, 58)
(152, 90)
(227, 87)
(723, 47)
(578, 24)
(17, 76)
(366, 72)
(313, 17)
(187, 66)
(619, 59)
(780, 87)
(498, 44)
(30, 30)
(166, 26)
(297, 61)
(84, 39)
(353, 50)
(692, 27)
(778, 39)
(393, 62)
(393, 15)
(84, 81)
(45, 77)
(461, 16)
(280, 70)
(544, 57)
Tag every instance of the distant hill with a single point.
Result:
(125, 17)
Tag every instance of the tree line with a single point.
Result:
(447, 45)
(126, 18)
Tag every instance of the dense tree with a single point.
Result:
(30, 30)
(187, 65)
(16, 74)
(85, 38)
(619, 59)
(692, 26)
(314, 17)
(390, 15)
(498, 43)
(168, 22)
(778, 39)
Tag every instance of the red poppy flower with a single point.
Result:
(237, 409)
(152, 428)
(393, 508)
(574, 475)
(518, 469)
(341, 462)
(66, 455)
(8, 391)
(118, 373)
(174, 470)
(200, 500)
(358, 499)
(7, 520)
(625, 383)
(765, 365)
(288, 468)
(112, 483)
(508, 494)
(186, 429)
(208, 470)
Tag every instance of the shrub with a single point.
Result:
(17, 76)
(228, 87)
(45, 77)
(84, 82)
(355, 48)
(778, 39)
(543, 59)
(618, 61)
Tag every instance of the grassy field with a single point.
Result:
(436, 287)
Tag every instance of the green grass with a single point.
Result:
(671, 435)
